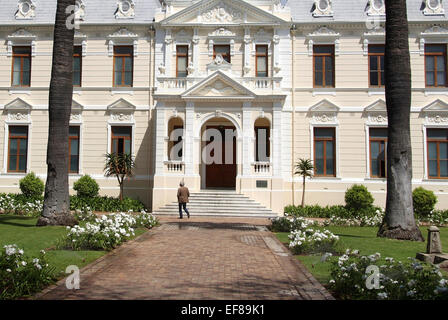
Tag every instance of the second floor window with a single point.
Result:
(17, 148)
(21, 67)
(223, 50)
(376, 65)
(323, 66)
(121, 140)
(181, 61)
(261, 60)
(378, 152)
(435, 65)
(123, 66)
(77, 66)
(437, 153)
(324, 152)
(73, 147)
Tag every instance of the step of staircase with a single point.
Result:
(219, 203)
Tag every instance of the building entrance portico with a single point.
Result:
(218, 154)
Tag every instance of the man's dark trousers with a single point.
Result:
(183, 205)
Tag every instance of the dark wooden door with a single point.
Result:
(222, 175)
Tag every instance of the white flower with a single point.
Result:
(23, 263)
(8, 270)
(382, 295)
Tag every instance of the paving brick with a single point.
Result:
(197, 258)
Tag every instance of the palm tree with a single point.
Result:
(56, 209)
(120, 165)
(399, 222)
(304, 168)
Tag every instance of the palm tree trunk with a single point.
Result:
(56, 210)
(303, 192)
(399, 222)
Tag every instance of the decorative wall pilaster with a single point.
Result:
(189, 138)
(277, 137)
(247, 55)
(160, 141)
(247, 138)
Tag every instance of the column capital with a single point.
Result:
(189, 105)
(247, 104)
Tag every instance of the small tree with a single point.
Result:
(120, 165)
(304, 168)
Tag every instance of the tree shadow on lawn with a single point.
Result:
(4, 219)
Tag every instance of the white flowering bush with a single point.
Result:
(312, 240)
(85, 214)
(20, 204)
(357, 221)
(437, 217)
(106, 232)
(397, 280)
(289, 223)
(20, 275)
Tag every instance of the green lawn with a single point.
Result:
(365, 240)
(23, 232)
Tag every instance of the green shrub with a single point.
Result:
(358, 198)
(106, 204)
(31, 186)
(424, 201)
(86, 187)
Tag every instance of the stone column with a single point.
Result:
(276, 153)
(248, 133)
(189, 138)
(160, 141)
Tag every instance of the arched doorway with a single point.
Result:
(218, 154)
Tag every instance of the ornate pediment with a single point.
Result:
(22, 34)
(121, 105)
(221, 32)
(221, 12)
(25, 9)
(324, 112)
(376, 113)
(18, 110)
(218, 85)
(436, 113)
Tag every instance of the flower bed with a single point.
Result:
(353, 278)
(20, 275)
(107, 232)
(311, 240)
(20, 204)
(357, 221)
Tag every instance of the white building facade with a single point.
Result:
(265, 81)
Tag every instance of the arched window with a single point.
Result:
(175, 139)
(262, 150)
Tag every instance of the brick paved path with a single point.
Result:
(199, 258)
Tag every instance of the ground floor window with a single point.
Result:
(18, 148)
(73, 147)
(378, 152)
(325, 152)
(121, 139)
(437, 140)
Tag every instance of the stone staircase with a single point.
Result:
(219, 203)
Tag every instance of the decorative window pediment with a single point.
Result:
(374, 36)
(262, 37)
(322, 8)
(433, 7)
(324, 112)
(376, 113)
(123, 37)
(25, 9)
(323, 35)
(376, 8)
(125, 9)
(222, 33)
(435, 34)
(22, 38)
(436, 113)
(121, 111)
(18, 110)
(76, 113)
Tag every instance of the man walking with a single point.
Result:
(182, 198)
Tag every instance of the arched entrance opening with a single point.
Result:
(218, 154)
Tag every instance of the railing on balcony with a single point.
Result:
(173, 84)
(262, 167)
(174, 166)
